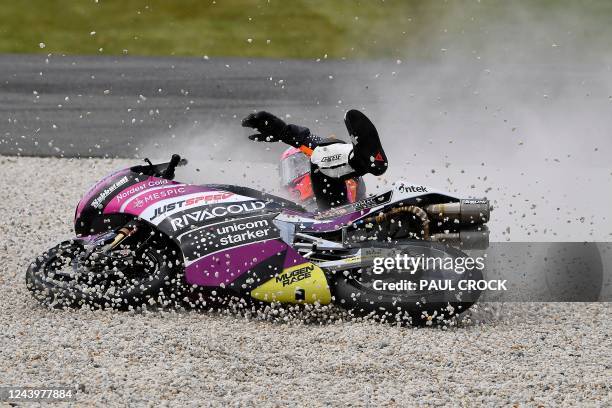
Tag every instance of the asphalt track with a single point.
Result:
(455, 110)
(114, 106)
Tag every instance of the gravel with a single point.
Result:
(525, 354)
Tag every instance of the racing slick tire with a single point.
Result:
(149, 288)
(418, 308)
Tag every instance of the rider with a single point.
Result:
(332, 161)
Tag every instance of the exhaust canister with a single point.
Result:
(464, 212)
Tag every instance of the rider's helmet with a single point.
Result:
(295, 178)
(295, 174)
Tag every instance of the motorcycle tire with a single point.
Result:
(418, 309)
(58, 290)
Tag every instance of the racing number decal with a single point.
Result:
(304, 283)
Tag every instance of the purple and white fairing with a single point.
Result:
(222, 231)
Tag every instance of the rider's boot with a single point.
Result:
(365, 154)
(368, 154)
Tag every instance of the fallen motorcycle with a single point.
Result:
(145, 240)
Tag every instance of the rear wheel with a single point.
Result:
(364, 292)
(131, 276)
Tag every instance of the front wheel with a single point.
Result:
(125, 278)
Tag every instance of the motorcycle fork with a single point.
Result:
(122, 234)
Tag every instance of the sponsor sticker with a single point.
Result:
(471, 201)
(228, 234)
(332, 158)
(295, 275)
(364, 204)
(97, 202)
(137, 188)
(185, 220)
(238, 233)
(408, 188)
(190, 202)
(158, 195)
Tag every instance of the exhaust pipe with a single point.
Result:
(476, 238)
(464, 212)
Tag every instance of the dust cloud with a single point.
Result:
(509, 101)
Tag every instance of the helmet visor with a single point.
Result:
(293, 167)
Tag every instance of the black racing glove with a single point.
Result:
(270, 127)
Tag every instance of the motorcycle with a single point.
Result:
(145, 240)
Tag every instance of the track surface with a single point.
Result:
(526, 354)
(109, 106)
(450, 110)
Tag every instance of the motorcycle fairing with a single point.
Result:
(409, 193)
(268, 271)
(227, 233)
(401, 193)
(303, 283)
(87, 217)
(284, 276)
(98, 188)
(222, 234)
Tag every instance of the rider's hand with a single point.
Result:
(270, 127)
